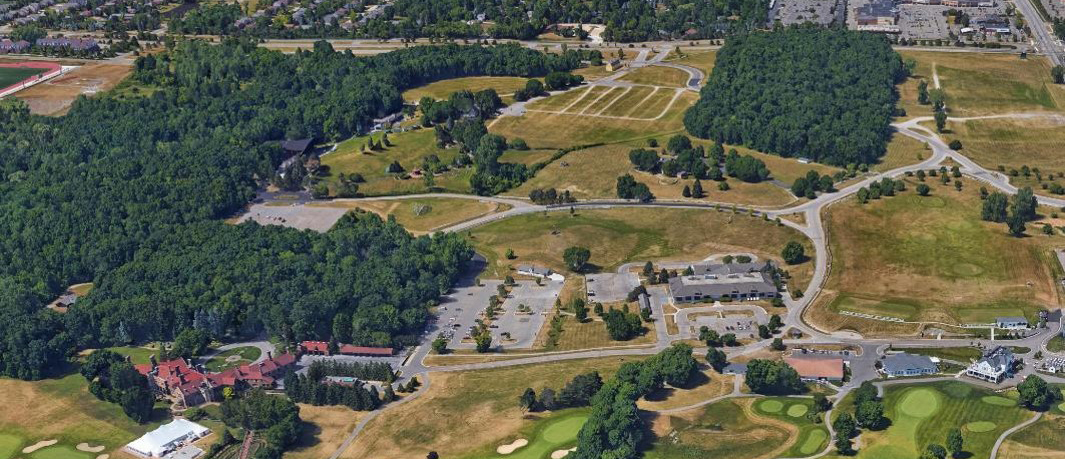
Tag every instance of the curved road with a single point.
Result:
(813, 229)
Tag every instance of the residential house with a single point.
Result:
(817, 368)
(729, 281)
(994, 366)
(8, 46)
(614, 65)
(903, 364)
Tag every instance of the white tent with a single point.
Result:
(164, 438)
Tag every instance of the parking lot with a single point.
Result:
(611, 287)
(820, 12)
(743, 325)
(927, 22)
(460, 311)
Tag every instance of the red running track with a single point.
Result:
(51, 69)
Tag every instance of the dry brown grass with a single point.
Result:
(443, 211)
(706, 385)
(461, 412)
(702, 60)
(1012, 144)
(592, 334)
(930, 259)
(902, 151)
(55, 96)
(325, 428)
(657, 76)
(443, 89)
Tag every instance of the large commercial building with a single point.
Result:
(728, 281)
(166, 438)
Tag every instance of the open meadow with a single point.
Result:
(409, 149)
(930, 259)
(742, 428)
(618, 236)
(1013, 144)
(986, 84)
(1042, 440)
(700, 59)
(324, 429)
(54, 97)
(923, 413)
(443, 89)
(657, 76)
(470, 412)
(421, 216)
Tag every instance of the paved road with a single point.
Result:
(266, 348)
(1044, 39)
(813, 229)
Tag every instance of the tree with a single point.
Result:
(994, 208)
(483, 342)
(527, 401)
(822, 403)
(1024, 204)
(687, 192)
(770, 377)
(576, 258)
(729, 339)
(763, 332)
(922, 92)
(580, 310)
(649, 271)
(923, 189)
(778, 344)
(190, 342)
(440, 345)
(697, 189)
(1015, 225)
(941, 121)
(510, 254)
(845, 429)
(870, 414)
(793, 253)
(936, 451)
(678, 143)
(629, 188)
(775, 322)
(709, 336)
(716, 358)
(1035, 394)
(1058, 73)
(955, 443)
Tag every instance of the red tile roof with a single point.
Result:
(363, 350)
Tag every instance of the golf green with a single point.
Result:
(996, 400)
(9, 445)
(770, 406)
(563, 430)
(1061, 407)
(920, 403)
(980, 426)
(60, 452)
(797, 410)
(813, 441)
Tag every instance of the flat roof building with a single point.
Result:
(731, 281)
(817, 368)
(903, 364)
(167, 437)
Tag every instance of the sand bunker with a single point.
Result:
(38, 445)
(562, 453)
(89, 449)
(507, 449)
(103, 456)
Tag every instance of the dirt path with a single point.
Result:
(935, 76)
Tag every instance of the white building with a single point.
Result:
(994, 366)
(167, 437)
(1011, 323)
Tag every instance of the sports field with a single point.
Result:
(740, 429)
(421, 216)
(930, 259)
(617, 236)
(984, 84)
(923, 414)
(12, 75)
(469, 412)
(598, 114)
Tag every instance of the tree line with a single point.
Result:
(113, 379)
(832, 107)
(273, 418)
(132, 199)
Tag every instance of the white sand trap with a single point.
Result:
(38, 445)
(562, 453)
(507, 449)
(89, 449)
(103, 456)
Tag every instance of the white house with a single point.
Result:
(994, 366)
(167, 437)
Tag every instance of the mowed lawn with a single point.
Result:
(468, 412)
(421, 216)
(64, 410)
(923, 413)
(932, 259)
(593, 173)
(746, 428)
(700, 59)
(1013, 144)
(618, 236)
(12, 75)
(984, 84)
(444, 88)
(409, 149)
(556, 431)
(658, 115)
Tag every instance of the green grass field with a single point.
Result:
(12, 75)
(923, 414)
(421, 216)
(409, 149)
(700, 59)
(443, 89)
(959, 354)
(743, 429)
(233, 358)
(657, 76)
(617, 236)
(931, 259)
(1015, 143)
(552, 433)
(1056, 344)
(982, 84)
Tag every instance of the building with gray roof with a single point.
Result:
(730, 281)
(903, 364)
(1011, 323)
(995, 365)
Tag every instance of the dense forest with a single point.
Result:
(625, 20)
(127, 193)
(780, 92)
